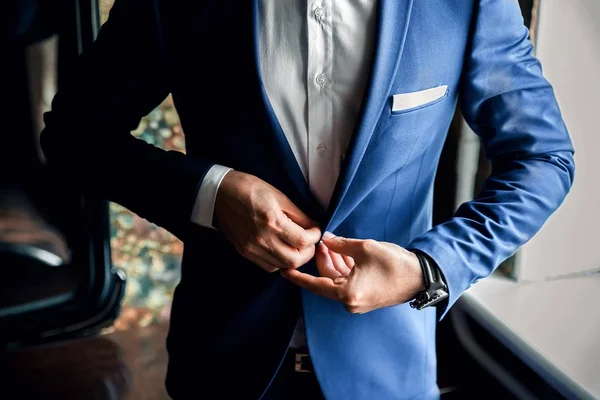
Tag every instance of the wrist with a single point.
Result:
(229, 182)
(227, 187)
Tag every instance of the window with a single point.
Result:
(567, 45)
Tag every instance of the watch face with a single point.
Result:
(438, 294)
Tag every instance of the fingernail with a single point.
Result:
(328, 235)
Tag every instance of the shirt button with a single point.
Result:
(321, 149)
(319, 12)
(321, 79)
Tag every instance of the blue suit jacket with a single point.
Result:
(231, 322)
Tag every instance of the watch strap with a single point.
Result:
(436, 289)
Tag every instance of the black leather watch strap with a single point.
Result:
(436, 289)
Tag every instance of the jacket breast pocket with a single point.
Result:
(406, 102)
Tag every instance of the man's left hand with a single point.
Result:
(364, 275)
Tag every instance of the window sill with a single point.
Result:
(553, 326)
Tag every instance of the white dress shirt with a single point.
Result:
(315, 57)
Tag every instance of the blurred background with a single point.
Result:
(86, 285)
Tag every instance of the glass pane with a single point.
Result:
(149, 255)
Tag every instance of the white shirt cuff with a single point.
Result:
(207, 195)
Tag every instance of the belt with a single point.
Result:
(295, 379)
(298, 360)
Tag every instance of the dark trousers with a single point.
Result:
(292, 385)
(288, 384)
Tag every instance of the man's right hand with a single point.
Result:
(263, 224)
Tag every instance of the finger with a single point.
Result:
(262, 263)
(296, 236)
(341, 280)
(288, 256)
(263, 258)
(338, 263)
(325, 264)
(314, 234)
(354, 248)
(349, 261)
(305, 255)
(322, 286)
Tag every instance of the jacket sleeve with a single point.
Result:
(511, 106)
(87, 135)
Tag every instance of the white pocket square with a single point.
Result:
(409, 101)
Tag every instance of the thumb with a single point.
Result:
(343, 246)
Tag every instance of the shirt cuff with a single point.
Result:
(207, 195)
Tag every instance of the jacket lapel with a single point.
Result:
(285, 153)
(392, 27)
(393, 20)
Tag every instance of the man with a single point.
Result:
(307, 117)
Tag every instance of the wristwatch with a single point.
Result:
(436, 290)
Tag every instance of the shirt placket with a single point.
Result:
(320, 141)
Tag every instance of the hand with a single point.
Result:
(379, 274)
(331, 264)
(263, 224)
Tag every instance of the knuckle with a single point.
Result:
(247, 244)
(352, 309)
(286, 262)
(264, 243)
(273, 220)
(352, 299)
(294, 263)
(301, 260)
(303, 241)
(369, 245)
(242, 248)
